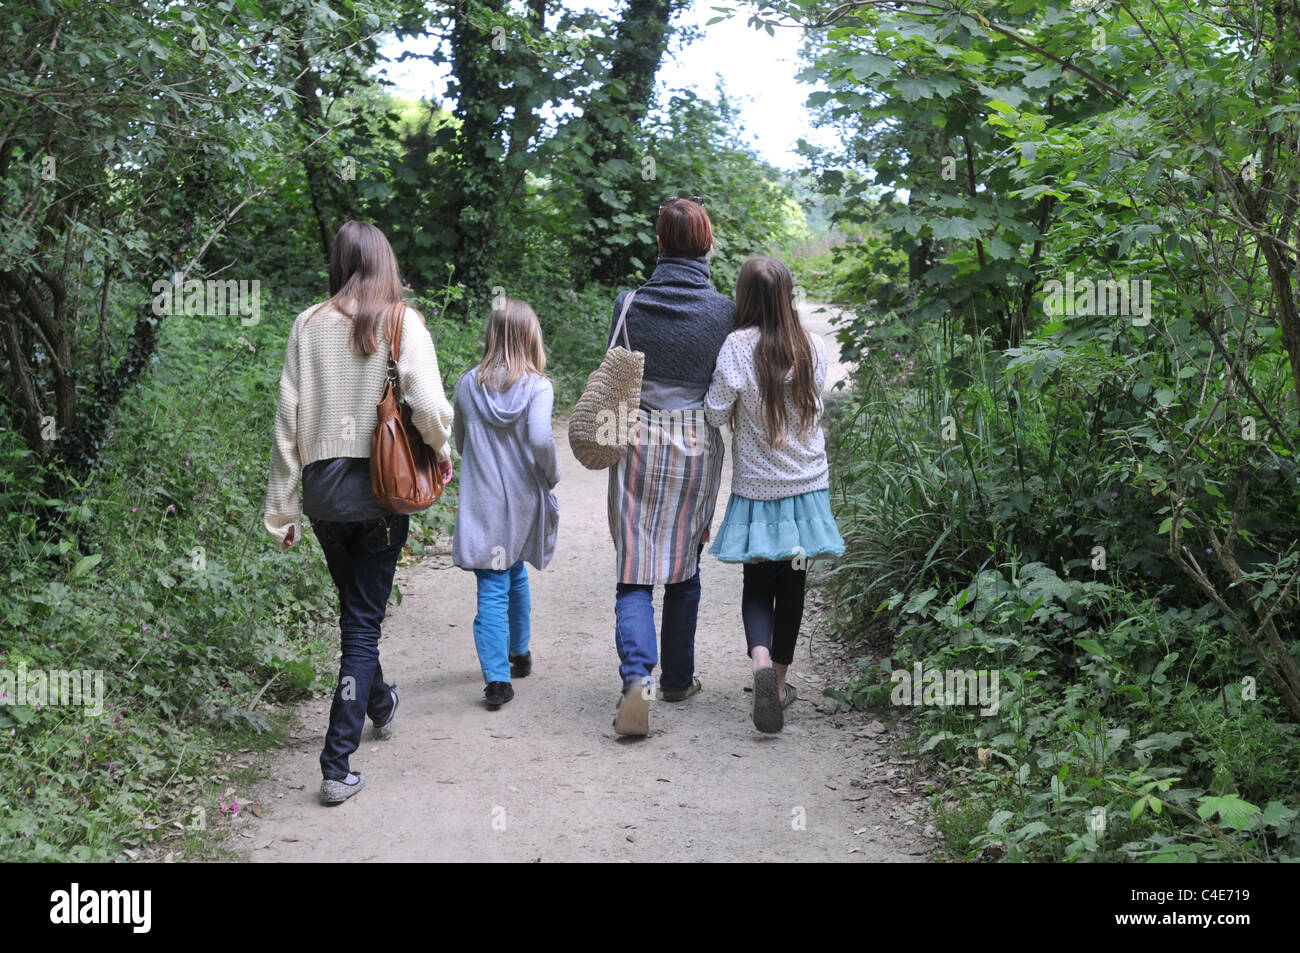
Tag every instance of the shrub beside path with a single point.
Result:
(545, 777)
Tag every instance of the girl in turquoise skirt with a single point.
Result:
(767, 383)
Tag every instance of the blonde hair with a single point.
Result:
(513, 346)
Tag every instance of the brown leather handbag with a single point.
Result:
(404, 475)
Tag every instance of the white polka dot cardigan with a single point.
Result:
(762, 471)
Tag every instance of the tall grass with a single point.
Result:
(973, 488)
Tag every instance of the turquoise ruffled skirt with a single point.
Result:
(757, 530)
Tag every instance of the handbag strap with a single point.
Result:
(622, 323)
(395, 349)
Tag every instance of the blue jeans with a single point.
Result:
(501, 626)
(362, 558)
(634, 632)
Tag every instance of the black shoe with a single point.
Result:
(521, 666)
(498, 693)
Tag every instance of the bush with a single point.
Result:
(1127, 723)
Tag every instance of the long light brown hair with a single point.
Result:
(365, 284)
(765, 300)
(513, 346)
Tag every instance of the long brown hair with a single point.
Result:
(513, 346)
(765, 300)
(364, 281)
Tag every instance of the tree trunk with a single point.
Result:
(323, 196)
(639, 46)
(480, 106)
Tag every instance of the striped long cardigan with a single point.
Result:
(662, 495)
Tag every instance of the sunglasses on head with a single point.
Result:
(669, 199)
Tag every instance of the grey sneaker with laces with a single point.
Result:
(385, 731)
(692, 689)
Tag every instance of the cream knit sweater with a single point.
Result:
(328, 394)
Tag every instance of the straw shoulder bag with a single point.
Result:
(600, 427)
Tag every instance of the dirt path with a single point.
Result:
(545, 777)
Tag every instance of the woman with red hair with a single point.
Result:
(662, 493)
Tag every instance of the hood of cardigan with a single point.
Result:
(500, 408)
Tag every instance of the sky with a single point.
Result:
(758, 71)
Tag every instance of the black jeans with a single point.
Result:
(362, 558)
(772, 607)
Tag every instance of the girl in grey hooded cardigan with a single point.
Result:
(506, 513)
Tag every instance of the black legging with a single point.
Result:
(772, 607)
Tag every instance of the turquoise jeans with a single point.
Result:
(501, 626)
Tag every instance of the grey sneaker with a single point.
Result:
(692, 689)
(384, 732)
(336, 792)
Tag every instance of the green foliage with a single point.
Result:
(988, 527)
(1088, 755)
(855, 266)
(699, 152)
(134, 136)
(160, 576)
(689, 146)
(1090, 491)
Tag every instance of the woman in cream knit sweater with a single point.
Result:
(333, 377)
